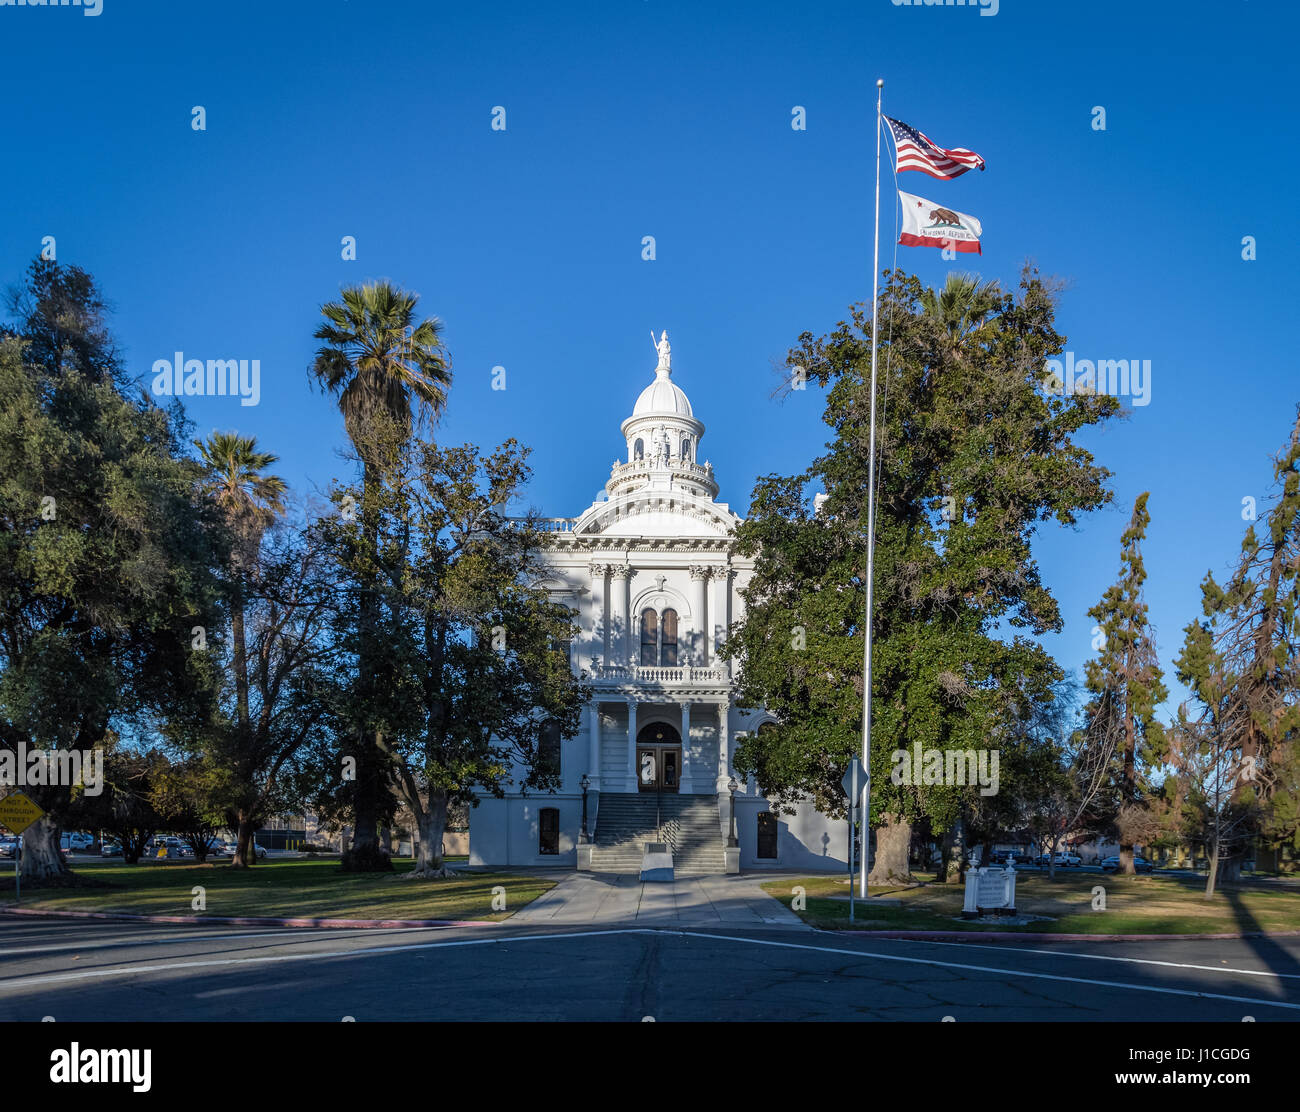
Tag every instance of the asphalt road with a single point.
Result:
(85, 971)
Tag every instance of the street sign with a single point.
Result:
(17, 812)
(852, 781)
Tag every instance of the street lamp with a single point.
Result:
(586, 783)
(732, 840)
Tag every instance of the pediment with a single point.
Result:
(656, 514)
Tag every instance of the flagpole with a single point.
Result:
(865, 855)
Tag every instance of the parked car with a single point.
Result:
(111, 849)
(1068, 860)
(1002, 858)
(258, 851)
(75, 840)
(8, 845)
(172, 844)
(1111, 864)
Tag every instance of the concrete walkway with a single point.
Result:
(705, 901)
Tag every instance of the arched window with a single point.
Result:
(548, 746)
(649, 638)
(548, 831)
(638, 449)
(668, 642)
(686, 449)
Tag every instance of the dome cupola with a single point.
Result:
(663, 437)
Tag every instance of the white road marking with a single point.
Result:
(122, 971)
(175, 939)
(1102, 957)
(1122, 985)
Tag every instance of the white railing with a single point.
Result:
(688, 673)
(555, 524)
(644, 466)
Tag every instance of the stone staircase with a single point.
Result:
(688, 823)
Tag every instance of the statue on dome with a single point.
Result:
(664, 348)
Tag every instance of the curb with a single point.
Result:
(250, 920)
(1001, 936)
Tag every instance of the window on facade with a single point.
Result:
(649, 638)
(548, 746)
(638, 449)
(668, 642)
(686, 448)
(767, 831)
(548, 831)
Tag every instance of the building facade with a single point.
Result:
(649, 569)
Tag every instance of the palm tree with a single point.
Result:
(250, 501)
(963, 305)
(377, 362)
(384, 369)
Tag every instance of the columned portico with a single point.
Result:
(699, 597)
(631, 746)
(724, 745)
(719, 616)
(687, 785)
(599, 615)
(593, 746)
(619, 636)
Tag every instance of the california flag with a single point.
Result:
(926, 224)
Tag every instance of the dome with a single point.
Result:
(663, 397)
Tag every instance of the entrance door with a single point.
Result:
(658, 758)
(658, 767)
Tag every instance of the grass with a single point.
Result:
(1149, 904)
(282, 889)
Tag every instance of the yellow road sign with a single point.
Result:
(17, 812)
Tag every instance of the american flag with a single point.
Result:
(916, 152)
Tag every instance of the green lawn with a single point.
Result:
(1134, 905)
(282, 889)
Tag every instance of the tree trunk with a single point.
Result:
(366, 797)
(1130, 791)
(42, 858)
(239, 655)
(245, 853)
(1212, 869)
(893, 838)
(1051, 859)
(943, 869)
(432, 821)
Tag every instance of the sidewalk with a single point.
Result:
(705, 901)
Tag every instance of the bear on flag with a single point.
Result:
(926, 224)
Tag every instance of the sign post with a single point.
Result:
(852, 783)
(17, 812)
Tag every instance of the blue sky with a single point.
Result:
(637, 118)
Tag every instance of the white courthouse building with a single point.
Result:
(650, 570)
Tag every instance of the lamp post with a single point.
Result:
(586, 783)
(732, 840)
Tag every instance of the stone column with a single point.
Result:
(724, 745)
(700, 588)
(720, 615)
(631, 745)
(593, 751)
(599, 619)
(686, 785)
(619, 574)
